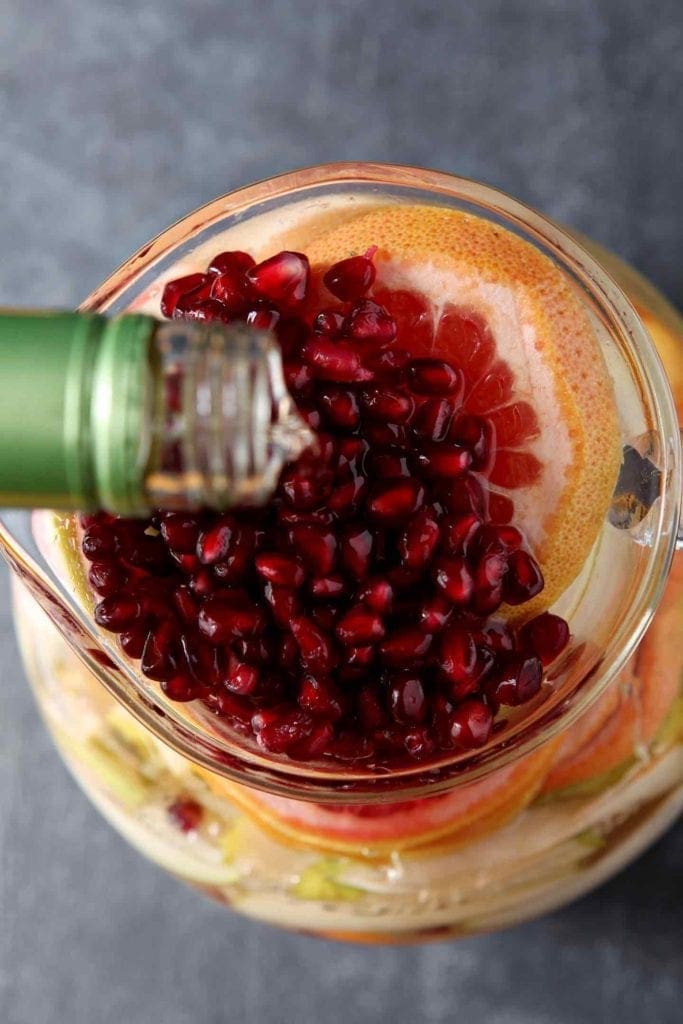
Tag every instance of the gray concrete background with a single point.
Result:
(116, 119)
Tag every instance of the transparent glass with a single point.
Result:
(542, 813)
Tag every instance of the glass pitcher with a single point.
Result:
(549, 808)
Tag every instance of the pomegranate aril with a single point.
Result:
(158, 659)
(99, 542)
(444, 460)
(359, 626)
(377, 594)
(282, 278)
(185, 604)
(516, 681)
(316, 649)
(501, 508)
(281, 570)
(386, 406)
(383, 435)
(407, 644)
(489, 579)
(320, 697)
(348, 493)
(117, 612)
(498, 538)
(288, 654)
(242, 677)
(465, 494)
(524, 578)
(357, 543)
(407, 699)
(368, 321)
(328, 588)
(298, 376)
(340, 407)
(387, 364)
(186, 814)
(349, 746)
(325, 616)
(180, 532)
(329, 323)
(546, 636)
(460, 532)
(351, 278)
(432, 419)
(478, 435)
(393, 500)
(412, 314)
(435, 612)
(470, 724)
(227, 290)
(419, 539)
(315, 744)
(221, 620)
(335, 361)
(263, 318)
(370, 711)
(288, 729)
(133, 640)
(106, 577)
(458, 655)
(214, 543)
(497, 636)
(435, 377)
(175, 289)
(420, 743)
(303, 487)
(452, 575)
(390, 462)
(283, 601)
(180, 687)
(234, 262)
(360, 657)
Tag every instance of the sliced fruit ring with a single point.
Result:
(626, 719)
(374, 831)
(478, 294)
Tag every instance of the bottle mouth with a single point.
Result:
(578, 680)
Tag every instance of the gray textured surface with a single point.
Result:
(117, 118)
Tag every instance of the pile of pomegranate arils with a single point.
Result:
(353, 618)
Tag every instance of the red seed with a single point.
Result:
(460, 531)
(177, 288)
(394, 500)
(497, 636)
(478, 435)
(133, 641)
(282, 570)
(159, 659)
(465, 494)
(99, 542)
(390, 462)
(432, 419)
(228, 290)
(516, 681)
(117, 613)
(386, 406)
(435, 377)
(282, 278)
(546, 636)
(242, 678)
(368, 321)
(458, 655)
(387, 364)
(370, 711)
(378, 594)
(203, 311)
(470, 724)
(419, 539)
(221, 620)
(340, 407)
(286, 731)
(328, 588)
(420, 743)
(320, 697)
(315, 647)
(235, 262)
(180, 687)
(180, 532)
(453, 577)
(360, 626)
(263, 318)
(214, 543)
(489, 579)
(407, 699)
(284, 603)
(298, 376)
(334, 361)
(186, 814)
(329, 323)
(356, 548)
(434, 614)
(405, 645)
(350, 278)
(444, 460)
(107, 577)
(524, 579)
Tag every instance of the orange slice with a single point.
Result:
(474, 292)
(626, 719)
(376, 830)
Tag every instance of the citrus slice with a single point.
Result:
(469, 290)
(376, 830)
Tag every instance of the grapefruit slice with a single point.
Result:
(627, 718)
(374, 831)
(468, 290)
